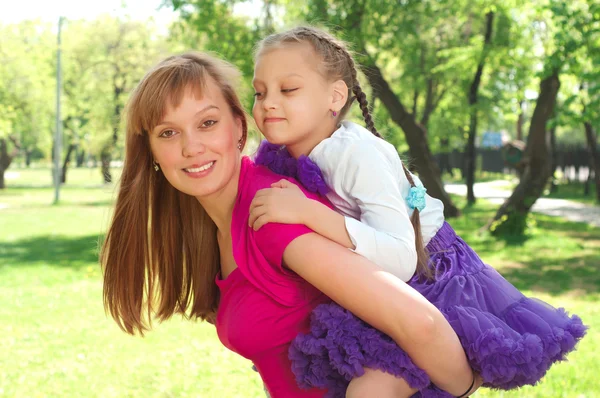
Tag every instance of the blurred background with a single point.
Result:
(496, 105)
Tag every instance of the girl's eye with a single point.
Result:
(209, 123)
(257, 95)
(289, 90)
(167, 134)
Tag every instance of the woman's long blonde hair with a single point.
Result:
(160, 255)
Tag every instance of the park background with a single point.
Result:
(494, 104)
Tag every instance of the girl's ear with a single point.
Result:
(339, 95)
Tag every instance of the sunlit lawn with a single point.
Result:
(57, 342)
(575, 191)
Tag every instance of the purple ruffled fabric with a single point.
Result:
(510, 339)
(278, 159)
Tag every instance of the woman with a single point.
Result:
(179, 240)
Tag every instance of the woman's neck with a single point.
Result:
(219, 206)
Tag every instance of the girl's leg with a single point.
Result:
(376, 383)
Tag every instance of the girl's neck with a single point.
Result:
(305, 146)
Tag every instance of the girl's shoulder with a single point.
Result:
(352, 144)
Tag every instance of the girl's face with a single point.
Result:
(196, 143)
(292, 104)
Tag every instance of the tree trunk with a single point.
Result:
(415, 102)
(415, 137)
(592, 142)
(428, 109)
(470, 153)
(63, 178)
(80, 158)
(520, 120)
(470, 157)
(5, 160)
(105, 164)
(553, 185)
(511, 217)
(106, 155)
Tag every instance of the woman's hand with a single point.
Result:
(283, 203)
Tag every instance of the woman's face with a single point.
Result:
(196, 143)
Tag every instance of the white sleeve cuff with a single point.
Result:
(359, 235)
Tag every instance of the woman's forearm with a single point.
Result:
(386, 303)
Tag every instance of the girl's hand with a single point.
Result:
(283, 203)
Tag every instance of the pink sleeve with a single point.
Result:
(259, 254)
(273, 238)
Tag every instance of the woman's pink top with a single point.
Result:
(263, 305)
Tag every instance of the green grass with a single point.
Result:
(571, 191)
(57, 341)
(480, 176)
(574, 191)
(557, 261)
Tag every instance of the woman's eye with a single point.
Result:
(257, 95)
(288, 90)
(209, 123)
(167, 134)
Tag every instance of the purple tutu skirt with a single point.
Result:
(509, 339)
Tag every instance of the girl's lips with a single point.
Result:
(274, 119)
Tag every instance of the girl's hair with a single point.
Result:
(160, 255)
(337, 63)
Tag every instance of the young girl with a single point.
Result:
(303, 79)
(179, 240)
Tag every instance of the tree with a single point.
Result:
(104, 59)
(376, 31)
(26, 89)
(562, 24)
(473, 97)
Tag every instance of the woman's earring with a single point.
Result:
(239, 145)
(155, 166)
(334, 113)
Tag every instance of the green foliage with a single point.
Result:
(27, 96)
(104, 60)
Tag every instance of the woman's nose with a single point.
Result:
(192, 145)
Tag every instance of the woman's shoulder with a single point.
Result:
(255, 177)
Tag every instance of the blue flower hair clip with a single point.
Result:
(416, 196)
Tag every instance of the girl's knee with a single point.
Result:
(376, 383)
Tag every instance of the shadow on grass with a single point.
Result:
(59, 251)
(577, 274)
(555, 256)
(575, 191)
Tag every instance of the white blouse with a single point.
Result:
(368, 186)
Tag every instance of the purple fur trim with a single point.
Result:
(278, 160)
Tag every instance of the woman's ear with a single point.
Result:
(239, 129)
(339, 95)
